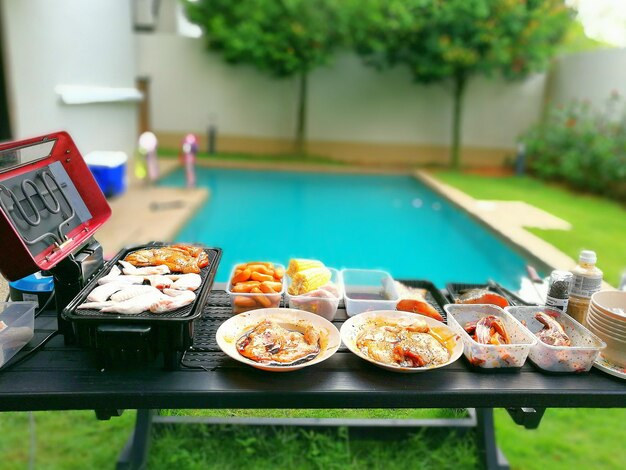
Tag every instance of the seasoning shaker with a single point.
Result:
(559, 289)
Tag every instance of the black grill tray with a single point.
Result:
(185, 314)
(433, 295)
(456, 288)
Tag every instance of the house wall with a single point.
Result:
(355, 112)
(70, 42)
(591, 76)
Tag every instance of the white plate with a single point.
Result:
(234, 328)
(353, 326)
(610, 368)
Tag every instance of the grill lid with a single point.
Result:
(50, 204)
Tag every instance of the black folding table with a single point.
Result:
(60, 377)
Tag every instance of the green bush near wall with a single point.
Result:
(582, 147)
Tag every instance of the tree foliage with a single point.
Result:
(284, 38)
(454, 40)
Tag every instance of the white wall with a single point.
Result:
(70, 42)
(347, 101)
(187, 87)
(589, 76)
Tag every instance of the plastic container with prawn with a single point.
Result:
(244, 301)
(491, 356)
(578, 357)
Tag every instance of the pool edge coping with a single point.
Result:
(535, 248)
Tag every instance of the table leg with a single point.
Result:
(135, 453)
(491, 457)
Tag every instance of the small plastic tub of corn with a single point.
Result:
(368, 289)
(244, 301)
(321, 301)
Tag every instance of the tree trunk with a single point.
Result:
(301, 120)
(460, 81)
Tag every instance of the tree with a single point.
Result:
(286, 38)
(453, 40)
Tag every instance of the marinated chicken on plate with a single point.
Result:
(482, 296)
(412, 345)
(271, 343)
(552, 332)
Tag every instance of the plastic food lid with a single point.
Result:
(588, 256)
(34, 283)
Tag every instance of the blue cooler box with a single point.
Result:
(109, 170)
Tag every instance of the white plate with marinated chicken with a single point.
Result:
(401, 341)
(278, 339)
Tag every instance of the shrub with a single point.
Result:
(581, 146)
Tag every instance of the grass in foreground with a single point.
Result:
(597, 224)
(566, 439)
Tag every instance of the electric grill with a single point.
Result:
(129, 339)
(50, 207)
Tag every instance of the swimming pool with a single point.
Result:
(389, 222)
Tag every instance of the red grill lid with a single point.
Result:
(50, 204)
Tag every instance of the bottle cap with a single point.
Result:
(588, 256)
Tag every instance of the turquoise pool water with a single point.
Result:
(393, 223)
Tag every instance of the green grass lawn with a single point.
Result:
(597, 223)
(68, 440)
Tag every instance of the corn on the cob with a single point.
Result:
(308, 280)
(300, 264)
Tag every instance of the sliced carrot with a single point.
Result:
(275, 286)
(242, 287)
(265, 287)
(279, 273)
(261, 277)
(264, 263)
(241, 301)
(242, 276)
(241, 267)
(259, 268)
(251, 284)
(261, 299)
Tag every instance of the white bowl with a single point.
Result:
(608, 323)
(353, 326)
(608, 301)
(607, 318)
(234, 328)
(607, 330)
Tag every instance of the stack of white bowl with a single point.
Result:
(607, 319)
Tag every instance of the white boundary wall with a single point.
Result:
(347, 101)
(70, 42)
(589, 76)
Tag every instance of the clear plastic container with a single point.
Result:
(242, 302)
(578, 357)
(491, 356)
(367, 289)
(323, 306)
(17, 326)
